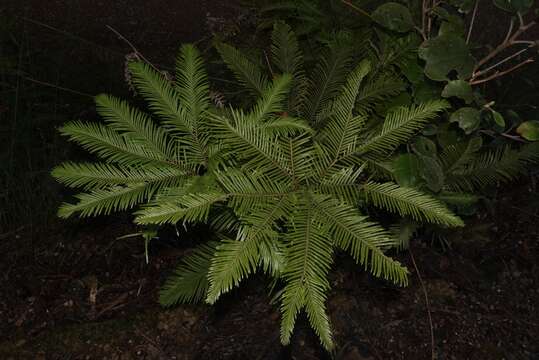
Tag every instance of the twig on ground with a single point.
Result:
(427, 304)
(56, 86)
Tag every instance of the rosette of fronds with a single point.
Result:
(284, 183)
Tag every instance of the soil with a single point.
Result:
(73, 290)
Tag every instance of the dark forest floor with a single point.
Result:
(75, 292)
(72, 290)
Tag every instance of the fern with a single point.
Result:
(283, 191)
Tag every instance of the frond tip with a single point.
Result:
(410, 202)
(189, 283)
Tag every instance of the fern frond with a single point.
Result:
(457, 198)
(286, 54)
(161, 96)
(343, 184)
(134, 124)
(164, 101)
(189, 282)
(399, 126)
(192, 83)
(112, 146)
(251, 143)
(363, 239)
(459, 156)
(245, 71)
(328, 76)
(255, 245)
(272, 101)
(105, 201)
(409, 202)
(99, 175)
(192, 207)
(377, 90)
(340, 132)
(233, 261)
(286, 126)
(309, 257)
(500, 165)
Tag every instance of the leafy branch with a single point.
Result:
(513, 38)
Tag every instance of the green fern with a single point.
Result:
(281, 189)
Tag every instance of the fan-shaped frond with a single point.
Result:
(409, 202)
(189, 283)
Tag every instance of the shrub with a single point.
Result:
(283, 183)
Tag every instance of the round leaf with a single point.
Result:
(498, 119)
(450, 23)
(446, 53)
(425, 146)
(426, 90)
(468, 119)
(406, 170)
(529, 130)
(463, 6)
(432, 173)
(394, 17)
(459, 88)
(429, 130)
(446, 136)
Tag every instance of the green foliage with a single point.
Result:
(469, 162)
(529, 130)
(284, 183)
(394, 16)
(445, 53)
(460, 89)
(514, 6)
